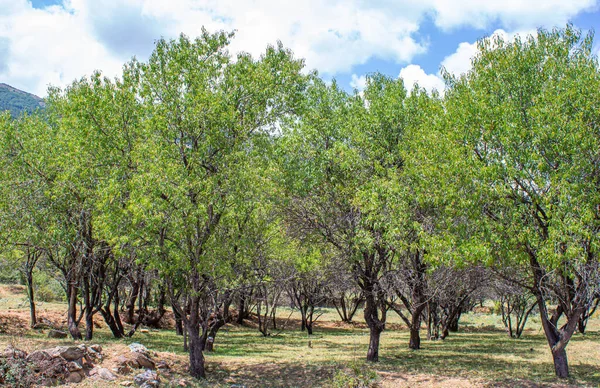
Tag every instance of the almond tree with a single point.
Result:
(204, 114)
(523, 140)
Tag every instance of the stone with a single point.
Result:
(74, 377)
(96, 348)
(144, 361)
(162, 365)
(105, 374)
(124, 370)
(69, 353)
(138, 348)
(126, 383)
(74, 367)
(57, 334)
(148, 379)
(128, 360)
(11, 352)
(38, 356)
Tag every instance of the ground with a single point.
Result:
(480, 355)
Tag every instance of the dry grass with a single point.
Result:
(480, 355)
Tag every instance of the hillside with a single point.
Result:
(17, 101)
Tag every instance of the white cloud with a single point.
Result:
(358, 83)
(456, 63)
(512, 14)
(60, 43)
(48, 47)
(414, 74)
(459, 62)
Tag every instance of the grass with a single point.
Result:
(481, 354)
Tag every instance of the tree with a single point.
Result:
(523, 122)
(516, 304)
(203, 111)
(306, 285)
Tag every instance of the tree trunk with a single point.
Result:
(30, 295)
(72, 313)
(196, 356)
(375, 325)
(130, 305)
(415, 326)
(373, 352)
(178, 322)
(453, 326)
(561, 363)
(89, 324)
(415, 338)
(309, 329)
(111, 322)
(241, 309)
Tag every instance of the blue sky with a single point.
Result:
(53, 42)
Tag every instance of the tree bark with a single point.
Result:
(241, 309)
(374, 336)
(89, 324)
(30, 295)
(196, 356)
(178, 322)
(112, 323)
(72, 313)
(561, 363)
(415, 338)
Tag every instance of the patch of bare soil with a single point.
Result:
(393, 379)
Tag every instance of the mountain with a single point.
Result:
(17, 101)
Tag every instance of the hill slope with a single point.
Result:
(17, 101)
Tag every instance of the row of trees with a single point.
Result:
(197, 180)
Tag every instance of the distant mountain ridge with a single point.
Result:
(17, 101)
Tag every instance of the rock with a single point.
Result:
(136, 360)
(74, 377)
(162, 365)
(57, 334)
(94, 355)
(11, 352)
(107, 375)
(96, 348)
(69, 353)
(144, 361)
(182, 383)
(126, 383)
(138, 348)
(74, 367)
(128, 360)
(147, 379)
(144, 331)
(38, 356)
(124, 369)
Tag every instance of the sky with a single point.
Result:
(54, 42)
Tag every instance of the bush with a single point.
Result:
(8, 273)
(46, 288)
